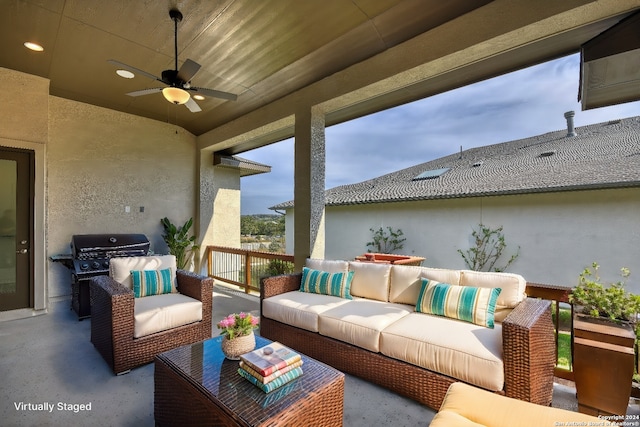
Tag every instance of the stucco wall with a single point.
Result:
(99, 161)
(558, 233)
(219, 207)
(24, 124)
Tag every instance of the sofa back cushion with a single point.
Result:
(406, 281)
(120, 268)
(370, 280)
(330, 266)
(512, 285)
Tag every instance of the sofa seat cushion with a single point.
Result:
(299, 309)
(458, 349)
(360, 321)
(162, 312)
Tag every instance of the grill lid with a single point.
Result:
(90, 246)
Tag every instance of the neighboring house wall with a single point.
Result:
(558, 233)
(98, 162)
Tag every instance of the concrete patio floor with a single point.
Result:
(50, 359)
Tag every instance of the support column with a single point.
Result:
(218, 216)
(309, 184)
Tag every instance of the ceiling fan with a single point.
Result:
(178, 81)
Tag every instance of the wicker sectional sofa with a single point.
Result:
(378, 336)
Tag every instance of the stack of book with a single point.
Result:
(271, 366)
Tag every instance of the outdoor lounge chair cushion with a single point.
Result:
(162, 312)
(120, 268)
(360, 321)
(468, 303)
(458, 349)
(468, 406)
(299, 309)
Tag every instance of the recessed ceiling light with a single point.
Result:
(198, 97)
(125, 73)
(33, 46)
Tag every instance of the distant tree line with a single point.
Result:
(262, 225)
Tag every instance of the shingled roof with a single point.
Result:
(604, 155)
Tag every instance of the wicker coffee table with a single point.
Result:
(196, 386)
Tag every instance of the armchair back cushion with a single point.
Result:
(120, 268)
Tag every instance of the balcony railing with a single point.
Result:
(244, 268)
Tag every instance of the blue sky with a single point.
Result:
(518, 105)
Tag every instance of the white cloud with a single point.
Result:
(518, 105)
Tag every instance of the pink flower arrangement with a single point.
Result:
(237, 325)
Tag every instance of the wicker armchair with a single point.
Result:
(112, 321)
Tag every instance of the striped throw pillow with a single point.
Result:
(151, 282)
(322, 282)
(468, 303)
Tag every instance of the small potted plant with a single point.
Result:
(604, 330)
(238, 337)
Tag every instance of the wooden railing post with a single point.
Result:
(247, 275)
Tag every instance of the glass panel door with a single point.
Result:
(15, 228)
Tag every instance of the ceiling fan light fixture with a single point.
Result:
(175, 95)
(33, 46)
(198, 97)
(126, 74)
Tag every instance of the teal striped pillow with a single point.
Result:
(151, 282)
(322, 282)
(474, 305)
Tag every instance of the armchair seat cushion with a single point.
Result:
(162, 312)
(458, 349)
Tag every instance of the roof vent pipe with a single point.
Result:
(570, 129)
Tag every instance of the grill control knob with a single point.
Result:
(84, 266)
(105, 264)
(95, 264)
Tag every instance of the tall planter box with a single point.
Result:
(603, 365)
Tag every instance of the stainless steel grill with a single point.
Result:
(90, 255)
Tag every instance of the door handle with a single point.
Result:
(22, 251)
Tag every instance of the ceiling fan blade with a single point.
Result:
(193, 106)
(215, 93)
(134, 70)
(188, 70)
(145, 91)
